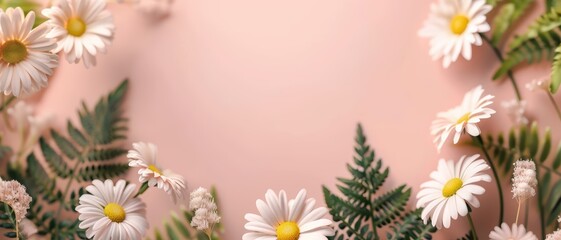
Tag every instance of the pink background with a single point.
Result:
(249, 95)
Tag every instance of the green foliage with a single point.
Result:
(86, 153)
(507, 14)
(362, 211)
(526, 142)
(7, 220)
(552, 3)
(179, 228)
(537, 43)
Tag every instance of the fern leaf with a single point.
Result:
(539, 42)
(556, 71)
(102, 171)
(506, 16)
(105, 154)
(362, 211)
(55, 161)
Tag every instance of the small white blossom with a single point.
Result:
(554, 236)
(524, 179)
(515, 110)
(202, 203)
(539, 84)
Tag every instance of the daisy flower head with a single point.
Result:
(26, 60)
(144, 156)
(287, 220)
(453, 26)
(82, 28)
(453, 186)
(111, 212)
(517, 232)
(462, 118)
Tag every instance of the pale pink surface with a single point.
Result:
(249, 95)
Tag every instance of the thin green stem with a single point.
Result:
(540, 206)
(552, 100)
(497, 180)
(472, 226)
(499, 55)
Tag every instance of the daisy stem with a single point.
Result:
(518, 212)
(554, 104)
(497, 180)
(499, 55)
(474, 233)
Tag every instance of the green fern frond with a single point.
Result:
(508, 14)
(526, 142)
(362, 211)
(539, 42)
(468, 236)
(86, 153)
(7, 221)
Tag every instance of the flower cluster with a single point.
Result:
(202, 203)
(14, 194)
(524, 180)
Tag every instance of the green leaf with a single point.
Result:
(105, 154)
(76, 135)
(55, 161)
(556, 71)
(533, 140)
(64, 145)
(546, 146)
(557, 159)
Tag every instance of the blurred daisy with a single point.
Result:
(452, 187)
(453, 26)
(82, 28)
(282, 219)
(112, 212)
(462, 118)
(515, 233)
(26, 60)
(143, 156)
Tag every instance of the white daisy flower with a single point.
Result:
(82, 28)
(26, 60)
(453, 26)
(452, 187)
(515, 233)
(143, 156)
(111, 212)
(282, 219)
(463, 117)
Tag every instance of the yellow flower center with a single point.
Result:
(75, 26)
(13, 51)
(459, 24)
(451, 187)
(288, 231)
(154, 169)
(464, 118)
(115, 212)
